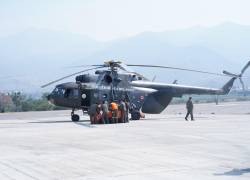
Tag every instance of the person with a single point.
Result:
(189, 106)
(114, 110)
(105, 111)
(92, 113)
(98, 114)
(127, 105)
(122, 108)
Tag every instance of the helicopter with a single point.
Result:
(114, 81)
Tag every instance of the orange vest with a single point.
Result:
(114, 106)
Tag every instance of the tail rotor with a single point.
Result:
(239, 76)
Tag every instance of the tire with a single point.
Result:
(135, 115)
(75, 117)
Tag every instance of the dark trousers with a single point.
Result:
(114, 116)
(92, 118)
(190, 111)
(126, 116)
(105, 118)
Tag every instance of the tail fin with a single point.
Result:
(228, 86)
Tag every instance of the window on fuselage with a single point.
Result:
(71, 93)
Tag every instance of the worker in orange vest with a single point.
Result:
(114, 110)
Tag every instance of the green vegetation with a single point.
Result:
(17, 102)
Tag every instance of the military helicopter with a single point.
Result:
(114, 81)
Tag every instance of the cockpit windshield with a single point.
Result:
(67, 93)
(58, 91)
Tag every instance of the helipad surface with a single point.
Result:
(47, 145)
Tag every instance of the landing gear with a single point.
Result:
(135, 115)
(74, 117)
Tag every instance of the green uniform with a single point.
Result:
(190, 107)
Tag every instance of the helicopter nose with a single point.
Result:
(50, 99)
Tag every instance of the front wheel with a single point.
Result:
(135, 115)
(75, 117)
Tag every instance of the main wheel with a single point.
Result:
(135, 115)
(75, 117)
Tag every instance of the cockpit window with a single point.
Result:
(58, 91)
(71, 93)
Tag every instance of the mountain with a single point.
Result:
(33, 57)
(209, 49)
(229, 39)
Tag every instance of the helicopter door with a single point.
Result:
(86, 98)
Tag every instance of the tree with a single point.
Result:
(17, 98)
(6, 103)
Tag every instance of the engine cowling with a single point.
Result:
(85, 78)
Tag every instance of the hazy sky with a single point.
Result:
(111, 19)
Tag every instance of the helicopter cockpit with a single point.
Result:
(64, 91)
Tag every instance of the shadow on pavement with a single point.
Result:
(234, 172)
(51, 122)
(85, 125)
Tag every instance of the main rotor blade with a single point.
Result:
(124, 67)
(230, 74)
(182, 69)
(91, 65)
(245, 67)
(52, 82)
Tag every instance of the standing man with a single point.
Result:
(190, 107)
(105, 111)
(114, 110)
(122, 107)
(98, 113)
(127, 105)
(93, 113)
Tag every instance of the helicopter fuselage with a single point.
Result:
(105, 86)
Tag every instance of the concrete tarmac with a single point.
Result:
(47, 145)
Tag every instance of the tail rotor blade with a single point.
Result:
(245, 67)
(229, 74)
(243, 85)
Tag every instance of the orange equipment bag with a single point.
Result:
(109, 114)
